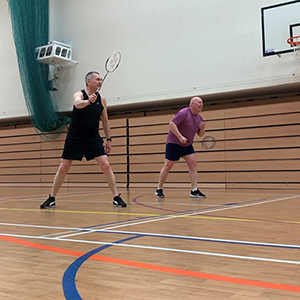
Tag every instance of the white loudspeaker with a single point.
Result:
(55, 53)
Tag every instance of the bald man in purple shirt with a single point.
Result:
(183, 127)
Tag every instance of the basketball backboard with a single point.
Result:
(279, 22)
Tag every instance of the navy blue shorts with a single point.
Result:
(89, 147)
(174, 151)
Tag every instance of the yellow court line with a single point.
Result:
(142, 215)
(224, 218)
(78, 211)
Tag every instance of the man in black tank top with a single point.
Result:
(83, 138)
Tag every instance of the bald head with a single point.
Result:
(196, 105)
(195, 99)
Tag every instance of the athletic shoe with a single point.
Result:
(197, 194)
(118, 202)
(50, 202)
(159, 193)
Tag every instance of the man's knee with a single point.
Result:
(168, 165)
(62, 170)
(192, 165)
(105, 166)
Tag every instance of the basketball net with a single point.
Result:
(295, 43)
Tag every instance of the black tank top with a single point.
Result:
(85, 121)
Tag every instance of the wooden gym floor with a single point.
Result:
(235, 244)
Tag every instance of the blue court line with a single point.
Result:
(190, 238)
(172, 213)
(68, 281)
(201, 239)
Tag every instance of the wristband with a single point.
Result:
(109, 139)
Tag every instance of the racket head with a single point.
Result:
(208, 142)
(113, 61)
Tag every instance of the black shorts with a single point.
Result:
(174, 151)
(77, 147)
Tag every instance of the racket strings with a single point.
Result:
(208, 142)
(113, 62)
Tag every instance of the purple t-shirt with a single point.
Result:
(188, 125)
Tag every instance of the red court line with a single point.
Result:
(262, 284)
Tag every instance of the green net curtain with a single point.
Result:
(30, 26)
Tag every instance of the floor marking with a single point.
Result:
(61, 195)
(193, 213)
(294, 262)
(205, 239)
(54, 210)
(228, 204)
(255, 220)
(242, 205)
(202, 211)
(152, 215)
(195, 238)
(147, 266)
(173, 270)
(68, 281)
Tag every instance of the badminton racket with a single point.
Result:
(111, 64)
(207, 143)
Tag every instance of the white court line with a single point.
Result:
(207, 211)
(163, 249)
(170, 216)
(62, 238)
(130, 223)
(196, 238)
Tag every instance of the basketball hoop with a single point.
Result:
(294, 41)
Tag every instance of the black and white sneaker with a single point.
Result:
(196, 194)
(118, 202)
(50, 202)
(159, 193)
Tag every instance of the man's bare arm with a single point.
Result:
(80, 103)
